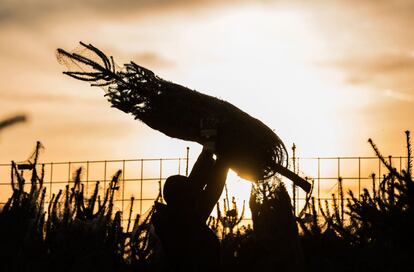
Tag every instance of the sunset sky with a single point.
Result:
(325, 75)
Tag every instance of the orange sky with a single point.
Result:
(326, 75)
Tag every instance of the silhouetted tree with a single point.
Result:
(254, 151)
(376, 232)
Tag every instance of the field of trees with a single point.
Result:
(374, 232)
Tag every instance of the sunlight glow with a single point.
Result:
(240, 189)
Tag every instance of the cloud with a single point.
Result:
(26, 11)
(89, 128)
(34, 97)
(381, 64)
(46, 100)
(32, 9)
(400, 96)
(390, 74)
(151, 59)
(370, 42)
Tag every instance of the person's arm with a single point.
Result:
(200, 174)
(214, 188)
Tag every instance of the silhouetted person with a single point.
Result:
(188, 243)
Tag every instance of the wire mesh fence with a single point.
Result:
(144, 178)
(331, 175)
(141, 179)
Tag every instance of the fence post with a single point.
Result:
(160, 183)
(87, 177)
(140, 191)
(123, 187)
(359, 178)
(341, 198)
(379, 172)
(51, 181)
(293, 184)
(104, 176)
(187, 158)
(339, 178)
(319, 182)
(69, 164)
(392, 184)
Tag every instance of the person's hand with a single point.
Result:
(208, 132)
(210, 146)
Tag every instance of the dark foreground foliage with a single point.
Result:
(72, 232)
(273, 242)
(75, 233)
(373, 233)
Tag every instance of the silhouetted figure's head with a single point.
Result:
(177, 191)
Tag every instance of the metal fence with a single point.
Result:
(143, 178)
(329, 174)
